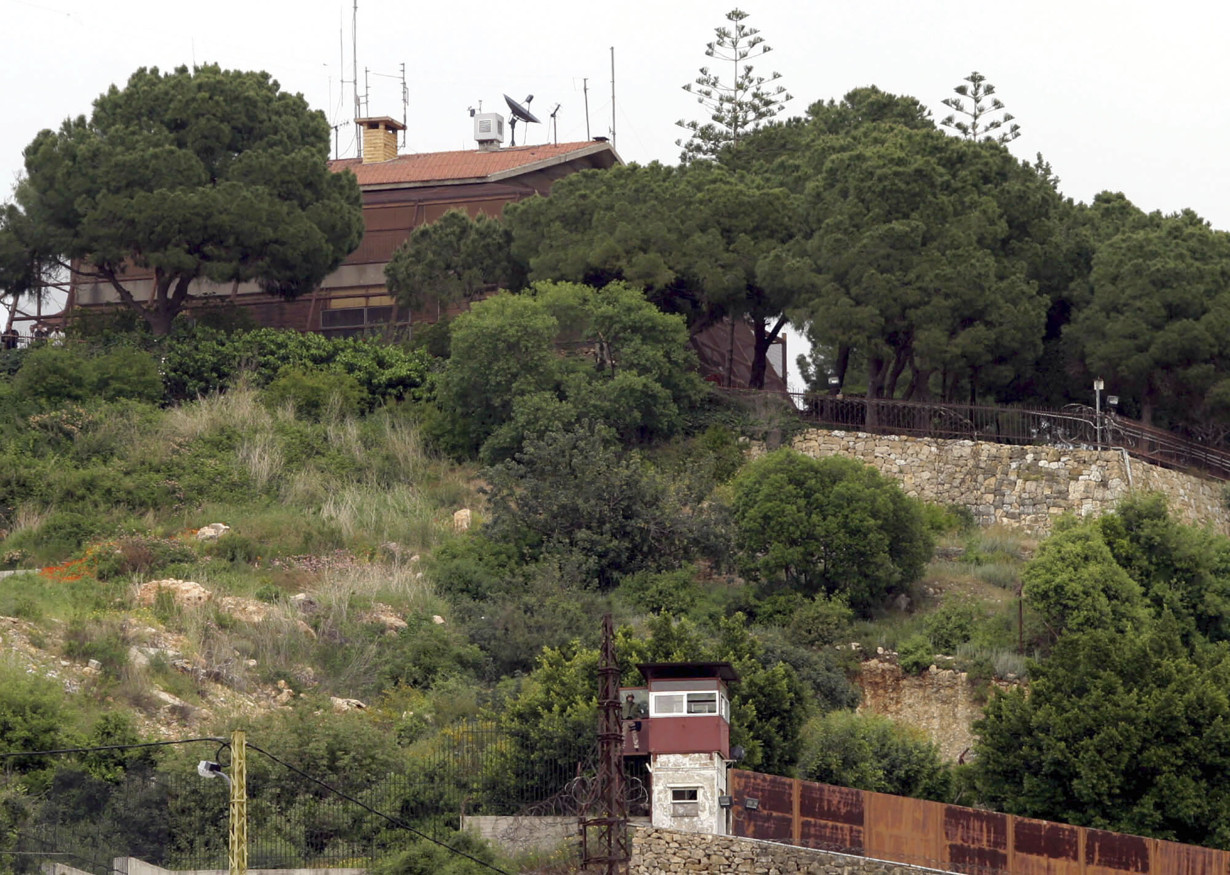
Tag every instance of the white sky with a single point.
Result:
(1117, 94)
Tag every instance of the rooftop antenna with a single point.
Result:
(585, 88)
(612, 96)
(555, 125)
(519, 112)
(354, 60)
(405, 105)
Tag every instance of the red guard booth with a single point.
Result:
(680, 721)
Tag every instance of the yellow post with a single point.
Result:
(238, 831)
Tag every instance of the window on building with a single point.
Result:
(667, 704)
(703, 703)
(685, 801)
(354, 321)
(677, 704)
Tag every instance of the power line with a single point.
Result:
(34, 753)
(398, 822)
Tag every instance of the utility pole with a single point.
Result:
(610, 826)
(237, 854)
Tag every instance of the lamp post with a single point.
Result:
(1098, 386)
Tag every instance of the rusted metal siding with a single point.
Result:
(948, 837)
(975, 841)
(830, 817)
(1108, 853)
(1170, 858)
(773, 817)
(903, 830)
(1040, 847)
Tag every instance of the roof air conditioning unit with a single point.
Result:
(489, 130)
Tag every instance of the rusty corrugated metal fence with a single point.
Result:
(949, 837)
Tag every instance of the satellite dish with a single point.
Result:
(519, 113)
(522, 112)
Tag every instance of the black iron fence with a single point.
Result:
(1074, 427)
(170, 816)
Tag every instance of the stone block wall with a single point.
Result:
(662, 852)
(1023, 487)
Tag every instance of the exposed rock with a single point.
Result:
(385, 616)
(137, 657)
(306, 629)
(342, 705)
(437, 619)
(304, 603)
(172, 701)
(941, 702)
(212, 532)
(185, 592)
(248, 610)
(461, 519)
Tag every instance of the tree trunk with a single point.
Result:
(840, 365)
(901, 359)
(730, 354)
(760, 350)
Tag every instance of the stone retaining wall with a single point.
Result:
(662, 852)
(1021, 486)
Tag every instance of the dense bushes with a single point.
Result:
(828, 525)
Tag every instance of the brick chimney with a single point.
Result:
(379, 138)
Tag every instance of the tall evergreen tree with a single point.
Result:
(202, 174)
(736, 106)
(976, 101)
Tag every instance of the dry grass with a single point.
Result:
(262, 457)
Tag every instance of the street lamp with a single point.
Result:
(1098, 386)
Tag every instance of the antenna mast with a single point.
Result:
(405, 105)
(354, 60)
(612, 95)
(585, 88)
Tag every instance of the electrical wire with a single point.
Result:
(398, 822)
(34, 753)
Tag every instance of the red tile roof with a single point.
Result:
(438, 167)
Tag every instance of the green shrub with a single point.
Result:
(234, 548)
(950, 626)
(872, 752)
(943, 519)
(98, 639)
(822, 621)
(724, 450)
(127, 373)
(315, 395)
(138, 555)
(53, 376)
(675, 592)
(269, 594)
(831, 525)
(916, 654)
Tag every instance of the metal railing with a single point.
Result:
(1074, 427)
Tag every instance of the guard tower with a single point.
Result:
(680, 721)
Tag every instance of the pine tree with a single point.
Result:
(734, 107)
(978, 92)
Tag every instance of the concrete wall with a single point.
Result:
(706, 772)
(1021, 486)
(517, 834)
(662, 852)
